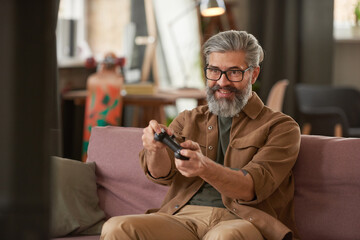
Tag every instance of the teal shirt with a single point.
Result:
(207, 194)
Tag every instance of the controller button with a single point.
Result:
(210, 127)
(211, 147)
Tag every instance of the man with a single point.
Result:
(238, 182)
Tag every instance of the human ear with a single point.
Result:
(255, 74)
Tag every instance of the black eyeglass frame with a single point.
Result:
(225, 72)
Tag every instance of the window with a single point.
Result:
(70, 29)
(91, 28)
(344, 19)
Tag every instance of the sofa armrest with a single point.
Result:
(327, 188)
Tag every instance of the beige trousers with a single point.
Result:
(190, 223)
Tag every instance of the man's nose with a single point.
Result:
(223, 81)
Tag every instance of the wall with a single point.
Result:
(106, 21)
(105, 26)
(346, 68)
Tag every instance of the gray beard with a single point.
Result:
(224, 107)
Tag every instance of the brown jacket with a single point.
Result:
(262, 142)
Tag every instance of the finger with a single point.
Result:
(188, 144)
(181, 164)
(169, 131)
(148, 139)
(186, 153)
(148, 133)
(150, 144)
(155, 126)
(184, 167)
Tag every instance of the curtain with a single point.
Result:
(29, 119)
(298, 42)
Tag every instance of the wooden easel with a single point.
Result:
(150, 61)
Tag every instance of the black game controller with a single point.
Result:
(171, 143)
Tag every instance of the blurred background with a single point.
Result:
(49, 49)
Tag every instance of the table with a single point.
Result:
(151, 104)
(146, 107)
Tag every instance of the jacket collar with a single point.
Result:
(254, 106)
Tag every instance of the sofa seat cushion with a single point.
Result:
(122, 185)
(92, 237)
(327, 188)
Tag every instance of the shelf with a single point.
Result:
(71, 63)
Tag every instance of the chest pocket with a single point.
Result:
(187, 134)
(243, 149)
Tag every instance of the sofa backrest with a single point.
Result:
(327, 188)
(122, 185)
(327, 181)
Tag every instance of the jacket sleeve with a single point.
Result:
(273, 162)
(169, 154)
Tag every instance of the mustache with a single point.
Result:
(227, 88)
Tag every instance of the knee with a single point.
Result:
(223, 234)
(234, 229)
(118, 228)
(107, 227)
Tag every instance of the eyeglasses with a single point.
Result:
(233, 75)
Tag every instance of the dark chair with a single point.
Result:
(328, 110)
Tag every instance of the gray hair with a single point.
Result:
(232, 40)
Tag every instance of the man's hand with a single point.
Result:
(158, 162)
(148, 136)
(197, 163)
(231, 183)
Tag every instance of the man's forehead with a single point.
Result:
(231, 57)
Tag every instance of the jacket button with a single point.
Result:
(211, 147)
(210, 127)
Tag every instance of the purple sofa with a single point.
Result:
(327, 192)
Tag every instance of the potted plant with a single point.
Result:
(357, 14)
(356, 28)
